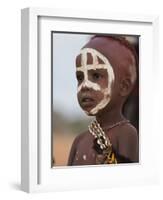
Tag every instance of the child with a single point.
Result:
(106, 75)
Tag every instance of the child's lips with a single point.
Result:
(87, 101)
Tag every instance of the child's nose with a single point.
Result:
(85, 88)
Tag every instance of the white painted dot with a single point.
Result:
(84, 157)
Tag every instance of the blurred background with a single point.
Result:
(68, 119)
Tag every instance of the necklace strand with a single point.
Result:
(102, 140)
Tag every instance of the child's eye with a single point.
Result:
(79, 77)
(96, 76)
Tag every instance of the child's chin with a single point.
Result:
(89, 113)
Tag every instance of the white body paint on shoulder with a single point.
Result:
(96, 65)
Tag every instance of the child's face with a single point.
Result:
(95, 76)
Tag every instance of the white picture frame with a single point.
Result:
(36, 171)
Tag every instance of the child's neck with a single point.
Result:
(108, 118)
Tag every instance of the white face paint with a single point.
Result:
(95, 86)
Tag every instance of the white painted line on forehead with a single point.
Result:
(83, 58)
(92, 66)
(95, 65)
(95, 54)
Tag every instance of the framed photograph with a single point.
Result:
(88, 90)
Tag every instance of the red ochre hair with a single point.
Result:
(122, 40)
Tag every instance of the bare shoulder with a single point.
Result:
(74, 146)
(127, 131)
(82, 135)
(79, 137)
(128, 142)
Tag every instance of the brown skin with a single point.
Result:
(99, 76)
(124, 137)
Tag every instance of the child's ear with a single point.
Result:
(125, 86)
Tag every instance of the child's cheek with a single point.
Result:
(97, 96)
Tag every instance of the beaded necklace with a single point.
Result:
(103, 142)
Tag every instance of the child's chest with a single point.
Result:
(86, 154)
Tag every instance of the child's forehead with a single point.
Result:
(90, 59)
(116, 53)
